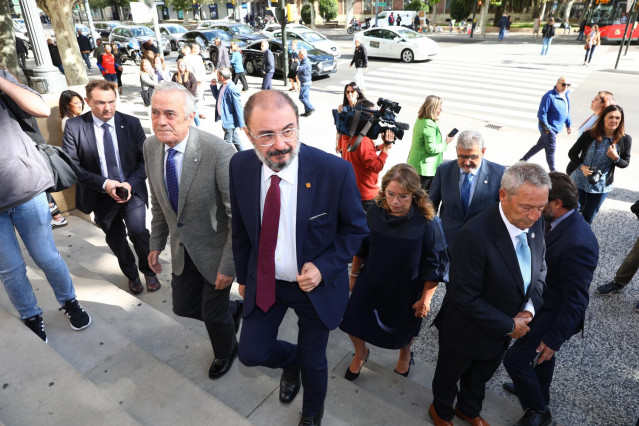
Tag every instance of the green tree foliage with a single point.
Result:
(418, 5)
(306, 14)
(184, 5)
(328, 9)
(459, 10)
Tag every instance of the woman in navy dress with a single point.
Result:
(396, 271)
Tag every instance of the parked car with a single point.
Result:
(174, 33)
(239, 31)
(407, 17)
(205, 25)
(205, 39)
(323, 62)
(397, 42)
(105, 28)
(139, 33)
(87, 32)
(313, 38)
(271, 28)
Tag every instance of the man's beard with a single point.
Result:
(278, 166)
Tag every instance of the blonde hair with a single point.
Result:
(430, 108)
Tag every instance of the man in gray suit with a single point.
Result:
(465, 187)
(188, 173)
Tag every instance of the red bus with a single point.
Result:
(611, 16)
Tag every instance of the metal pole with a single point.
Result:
(90, 19)
(472, 24)
(282, 7)
(376, 10)
(623, 40)
(632, 26)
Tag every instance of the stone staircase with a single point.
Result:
(138, 363)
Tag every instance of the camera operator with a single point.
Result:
(594, 157)
(366, 161)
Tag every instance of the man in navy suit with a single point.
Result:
(497, 275)
(268, 66)
(465, 187)
(107, 148)
(228, 107)
(297, 221)
(572, 253)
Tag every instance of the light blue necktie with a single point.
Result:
(523, 257)
(465, 191)
(172, 180)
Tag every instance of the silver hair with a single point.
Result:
(170, 86)
(469, 138)
(524, 173)
(217, 39)
(225, 72)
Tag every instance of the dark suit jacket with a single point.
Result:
(326, 184)
(572, 253)
(80, 143)
(486, 289)
(268, 62)
(445, 190)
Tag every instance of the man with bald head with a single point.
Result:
(553, 114)
(297, 221)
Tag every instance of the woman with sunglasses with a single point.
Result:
(594, 157)
(396, 271)
(352, 95)
(599, 102)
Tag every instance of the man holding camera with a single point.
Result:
(106, 145)
(572, 253)
(366, 162)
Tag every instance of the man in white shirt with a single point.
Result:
(195, 65)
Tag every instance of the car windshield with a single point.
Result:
(176, 29)
(312, 37)
(408, 34)
(242, 29)
(141, 31)
(210, 35)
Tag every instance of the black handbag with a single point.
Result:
(61, 166)
(146, 95)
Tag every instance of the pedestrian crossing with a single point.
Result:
(493, 90)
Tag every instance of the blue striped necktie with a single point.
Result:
(465, 191)
(172, 180)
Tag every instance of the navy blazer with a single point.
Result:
(80, 143)
(329, 228)
(231, 106)
(486, 289)
(445, 190)
(572, 253)
(268, 62)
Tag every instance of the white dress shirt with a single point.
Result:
(514, 232)
(99, 140)
(286, 248)
(178, 159)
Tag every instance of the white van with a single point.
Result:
(408, 16)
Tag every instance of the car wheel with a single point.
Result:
(174, 45)
(208, 66)
(167, 52)
(250, 67)
(407, 56)
(137, 59)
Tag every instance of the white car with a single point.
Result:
(206, 25)
(397, 42)
(313, 38)
(174, 33)
(271, 28)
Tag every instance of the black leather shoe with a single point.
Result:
(533, 418)
(220, 367)
(152, 283)
(290, 384)
(135, 286)
(510, 387)
(237, 316)
(315, 420)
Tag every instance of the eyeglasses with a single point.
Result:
(268, 139)
(468, 157)
(565, 84)
(402, 197)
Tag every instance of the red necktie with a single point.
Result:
(266, 251)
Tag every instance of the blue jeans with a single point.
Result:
(85, 56)
(502, 32)
(304, 94)
(231, 136)
(546, 45)
(590, 51)
(590, 203)
(111, 77)
(32, 220)
(548, 142)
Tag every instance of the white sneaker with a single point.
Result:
(59, 223)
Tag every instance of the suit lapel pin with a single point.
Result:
(485, 181)
(532, 235)
(195, 159)
(308, 184)
(121, 127)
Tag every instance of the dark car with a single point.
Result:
(205, 39)
(323, 63)
(123, 34)
(105, 28)
(239, 31)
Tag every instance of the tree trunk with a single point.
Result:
(568, 8)
(435, 14)
(312, 4)
(60, 12)
(8, 56)
(542, 13)
(185, 19)
(348, 11)
(484, 17)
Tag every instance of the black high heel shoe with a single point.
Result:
(349, 375)
(411, 362)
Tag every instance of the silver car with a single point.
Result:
(174, 33)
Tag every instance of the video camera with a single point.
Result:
(368, 122)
